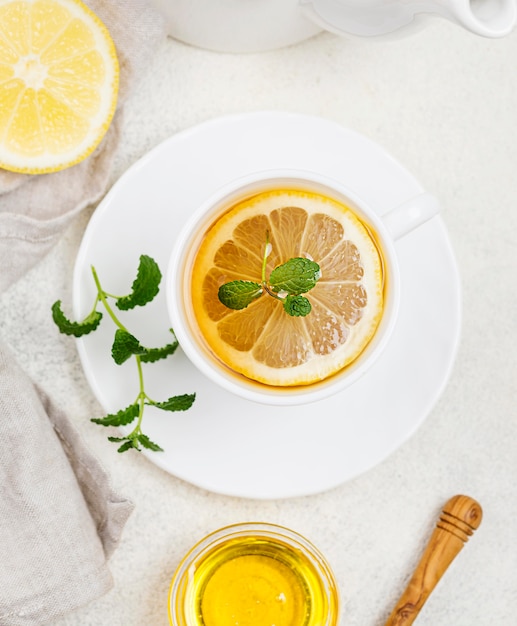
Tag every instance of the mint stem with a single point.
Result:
(102, 297)
(141, 398)
(264, 284)
(264, 260)
(271, 293)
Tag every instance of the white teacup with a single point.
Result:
(396, 223)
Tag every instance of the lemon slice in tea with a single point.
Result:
(263, 342)
(58, 84)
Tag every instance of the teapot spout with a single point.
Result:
(373, 18)
(488, 18)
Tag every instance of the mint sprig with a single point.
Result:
(125, 346)
(286, 283)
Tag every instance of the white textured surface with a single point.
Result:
(444, 103)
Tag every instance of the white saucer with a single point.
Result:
(223, 443)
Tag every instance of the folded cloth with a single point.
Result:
(59, 517)
(60, 520)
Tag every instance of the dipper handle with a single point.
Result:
(459, 519)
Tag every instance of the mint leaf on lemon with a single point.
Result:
(237, 294)
(297, 306)
(125, 346)
(286, 283)
(298, 275)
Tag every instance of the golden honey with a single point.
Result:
(253, 575)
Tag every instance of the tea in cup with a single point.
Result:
(284, 286)
(254, 574)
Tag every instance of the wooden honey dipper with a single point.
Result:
(459, 519)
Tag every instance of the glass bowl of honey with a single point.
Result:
(253, 574)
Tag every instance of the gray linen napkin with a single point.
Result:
(60, 519)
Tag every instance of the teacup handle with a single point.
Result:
(407, 216)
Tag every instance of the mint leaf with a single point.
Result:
(121, 418)
(177, 403)
(145, 286)
(147, 443)
(124, 346)
(297, 306)
(237, 294)
(77, 329)
(298, 275)
(130, 443)
(154, 354)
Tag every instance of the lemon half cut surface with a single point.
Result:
(263, 342)
(58, 84)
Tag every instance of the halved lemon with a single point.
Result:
(262, 341)
(58, 84)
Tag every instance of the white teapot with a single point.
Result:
(259, 25)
